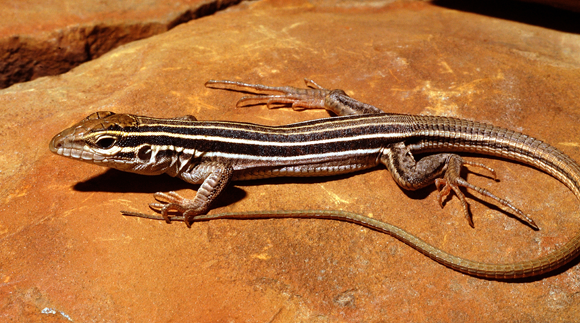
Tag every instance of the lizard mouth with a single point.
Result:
(63, 145)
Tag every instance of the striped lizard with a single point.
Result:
(361, 136)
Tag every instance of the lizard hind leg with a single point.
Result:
(313, 97)
(298, 98)
(443, 170)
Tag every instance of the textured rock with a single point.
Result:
(51, 37)
(66, 250)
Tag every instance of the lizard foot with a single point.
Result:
(452, 181)
(171, 201)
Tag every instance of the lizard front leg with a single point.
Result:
(443, 170)
(213, 176)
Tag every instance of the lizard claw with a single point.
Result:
(444, 192)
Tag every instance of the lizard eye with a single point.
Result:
(105, 142)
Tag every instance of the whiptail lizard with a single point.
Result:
(213, 153)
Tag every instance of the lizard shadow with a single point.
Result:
(115, 181)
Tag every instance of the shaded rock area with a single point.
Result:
(66, 253)
(564, 4)
(39, 38)
(548, 14)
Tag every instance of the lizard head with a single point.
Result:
(124, 142)
(98, 139)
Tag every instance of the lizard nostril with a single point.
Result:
(55, 143)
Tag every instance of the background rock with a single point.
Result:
(39, 38)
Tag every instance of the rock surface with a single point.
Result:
(67, 253)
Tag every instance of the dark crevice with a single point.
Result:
(530, 13)
(25, 58)
(202, 11)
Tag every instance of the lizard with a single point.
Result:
(360, 136)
